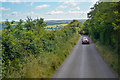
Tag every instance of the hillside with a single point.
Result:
(54, 22)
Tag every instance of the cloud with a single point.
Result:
(62, 7)
(5, 9)
(76, 12)
(3, 0)
(14, 1)
(92, 4)
(77, 8)
(55, 12)
(72, 3)
(15, 13)
(41, 6)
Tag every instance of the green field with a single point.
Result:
(54, 27)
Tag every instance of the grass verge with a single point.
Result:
(44, 65)
(109, 56)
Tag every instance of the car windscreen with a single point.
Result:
(85, 38)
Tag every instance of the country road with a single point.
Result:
(84, 61)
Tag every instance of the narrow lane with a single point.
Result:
(84, 61)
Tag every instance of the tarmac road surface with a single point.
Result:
(84, 61)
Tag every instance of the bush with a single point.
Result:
(28, 39)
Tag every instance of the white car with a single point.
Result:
(85, 40)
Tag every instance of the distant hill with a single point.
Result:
(54, 22)
(49, 22)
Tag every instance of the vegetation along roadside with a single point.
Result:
(103, 26)
(31, 51)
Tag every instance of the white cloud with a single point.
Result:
(55, 12)
(92, 4)
(5, 9)
(76, 12)
(15, 13)
(72, 3)
(3, 0)
(14, 1)
(62, 7)
(41, 6)
(77, 8)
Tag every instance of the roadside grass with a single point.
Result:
(45, 64)
(109, 56)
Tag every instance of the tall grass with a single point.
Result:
(44, 65)
(109, 56)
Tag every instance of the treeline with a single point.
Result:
(103, 25)
(76, 26)
(31, 38)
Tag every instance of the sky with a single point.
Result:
(49, 10)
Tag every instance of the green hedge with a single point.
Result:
(28, 39)
(104, 25)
